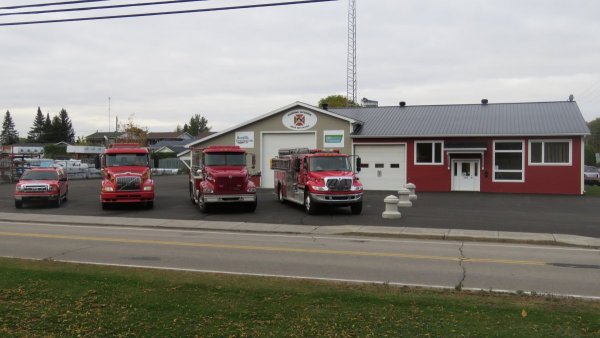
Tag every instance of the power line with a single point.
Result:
(101, 7)
(51, 4)
(215, 9)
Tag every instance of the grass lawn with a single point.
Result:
(56, 299)
(592, 190)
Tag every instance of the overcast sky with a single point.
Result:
(232, 66)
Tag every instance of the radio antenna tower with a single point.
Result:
(351, 87)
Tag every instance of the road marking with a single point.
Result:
(332, 237)
(273, 249)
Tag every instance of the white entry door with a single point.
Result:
(272, 142)
(383, 166)
(465, 175)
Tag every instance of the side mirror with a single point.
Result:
(97, 162)
(253, 161)
(358, 164)
(63, 179)
(297, 164)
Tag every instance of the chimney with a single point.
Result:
(402, 104)
(484, 101)
(325, 106)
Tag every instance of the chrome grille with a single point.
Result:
(230, 184)
(339, 184)
(128, 183)
(36, 188)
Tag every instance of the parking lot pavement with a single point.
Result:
(571, 215)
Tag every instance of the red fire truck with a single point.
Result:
(126, 175)
(313, 177)
(218, 175)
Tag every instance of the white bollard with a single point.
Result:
(404, 198)
(391, 207)
(411, 187)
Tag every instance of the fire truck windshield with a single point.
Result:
(225, 159)
(122, 160)
(330, 163)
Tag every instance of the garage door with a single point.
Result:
(271, 143)
(383, 166)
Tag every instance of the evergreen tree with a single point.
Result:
(36, 131)
(9, 135)
(47, 130)
(56, 130)
(67, 133)
(198, 124)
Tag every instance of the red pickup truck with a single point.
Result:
(42, 184)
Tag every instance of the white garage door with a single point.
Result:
(383, 166)
(271, 143)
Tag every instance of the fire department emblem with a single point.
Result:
(299, 120)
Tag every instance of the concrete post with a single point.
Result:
(391, 207)
(411, 187)
(404, 198)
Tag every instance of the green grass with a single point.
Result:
(592, 190)
(56, 299)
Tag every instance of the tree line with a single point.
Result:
(59, 128)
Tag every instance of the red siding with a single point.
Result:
(546, 179)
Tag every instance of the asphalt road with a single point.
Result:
(576, 215)
(476, 266)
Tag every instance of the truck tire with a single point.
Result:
(280, 194)
(251, 207)
(192, 198)
(356, 208)
(203, 206)
(18, 204)
(105, 206)
(150, 205)
(58, 201)
(309, 204)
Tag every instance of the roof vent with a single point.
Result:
(571, 98)
(484, 101)
(402, 104)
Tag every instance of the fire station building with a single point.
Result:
(532, 147)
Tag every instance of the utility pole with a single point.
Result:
(351, 86)
(109, 114)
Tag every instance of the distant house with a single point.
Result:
(100, 137)
(155, 137)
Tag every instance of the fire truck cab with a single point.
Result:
(219, 175)
(313, 177)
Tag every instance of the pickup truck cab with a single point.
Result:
(42, 184)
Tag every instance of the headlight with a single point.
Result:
(53, 188)
(148, 188)
(356, 187)
(319, 188)
(108, 188)
(208, 191)
(251, 189)
(20, 188)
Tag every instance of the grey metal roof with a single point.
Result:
(499, 119)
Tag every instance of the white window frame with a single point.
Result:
(432, 142)
(522, 151)
(543, 152)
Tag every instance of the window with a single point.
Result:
(554, 152)
(428, 152)
(508, 161)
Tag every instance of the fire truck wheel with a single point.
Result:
(252, 206)
(280, 194)
(203, 206)
(18, 204)
(150, 205)
(105, 206)
(356, 208)
(309, 204)
(192, 198)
